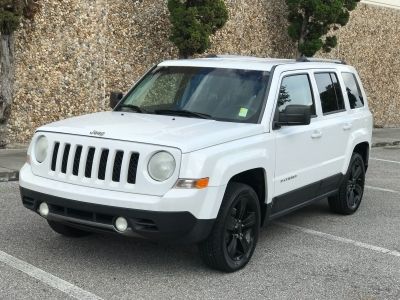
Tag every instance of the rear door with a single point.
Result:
(336, 125)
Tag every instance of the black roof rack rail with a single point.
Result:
(211, 56)
(326, 60)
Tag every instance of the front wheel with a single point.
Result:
(235, 234)
(351, 191)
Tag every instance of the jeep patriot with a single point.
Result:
(206, 151)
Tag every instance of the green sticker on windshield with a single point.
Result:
(243, 112)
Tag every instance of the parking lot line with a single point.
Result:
(339, 239)
(386, 160)
(382, 189)
(47, 278)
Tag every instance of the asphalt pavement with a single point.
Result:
(309, 254)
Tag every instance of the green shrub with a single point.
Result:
(311, 20)
(11, 12)
(193, 21)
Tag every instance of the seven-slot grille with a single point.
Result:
(78, 159)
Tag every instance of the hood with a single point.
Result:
(187, 134)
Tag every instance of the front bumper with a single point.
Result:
(162, 226)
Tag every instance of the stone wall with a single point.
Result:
(371, 43)
(76, 52)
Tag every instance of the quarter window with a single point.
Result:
(296, 89)
(330, 92)
(353, 90)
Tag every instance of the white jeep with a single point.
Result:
(205, 151)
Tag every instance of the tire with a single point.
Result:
(233, 239)
(67, 230)
(351, 190)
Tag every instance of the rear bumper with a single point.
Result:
(163, 226)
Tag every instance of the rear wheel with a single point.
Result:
(67, 230)
(235, 234)
(351, 190)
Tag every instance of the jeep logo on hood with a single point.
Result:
(99, 133)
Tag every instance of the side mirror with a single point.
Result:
(115, 97)
(294, 115)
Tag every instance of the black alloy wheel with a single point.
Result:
(355, 184)
(233, 239)
(351, 190)
(240, 229)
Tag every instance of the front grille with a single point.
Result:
(94, 162)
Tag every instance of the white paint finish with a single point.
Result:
(382, 189)
(187, 134)
(200, 203)
(47, 278)
(340, 239)
(385, 160)
(385, 3)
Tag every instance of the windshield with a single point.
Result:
(221, 94)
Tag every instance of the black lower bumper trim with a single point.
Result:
(162, 226)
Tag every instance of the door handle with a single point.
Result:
(347, 126)
(316, 134)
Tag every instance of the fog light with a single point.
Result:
(121, 224)
(43, 209)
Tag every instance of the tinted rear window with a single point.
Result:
(330, 92)
(353, 90)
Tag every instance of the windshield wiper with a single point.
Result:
(186, 113)
(133, 107)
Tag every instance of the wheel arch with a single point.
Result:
(257, 179)
(363, 149)
(359, 142)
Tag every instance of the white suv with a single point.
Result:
(205, 151)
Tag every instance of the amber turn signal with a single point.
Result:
(192, 183)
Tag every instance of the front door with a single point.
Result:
(299, 149)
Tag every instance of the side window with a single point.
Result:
(296, 89)
(330, 93)
(353, 90)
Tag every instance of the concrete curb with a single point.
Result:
(9, 176)
(384, 144)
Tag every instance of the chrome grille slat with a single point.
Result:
(96, 163)
(70, 162)
(59, 157)
(82, 162)
(124, 170)
(110, 165)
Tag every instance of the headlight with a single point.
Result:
(161, 166)
(41, 149)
